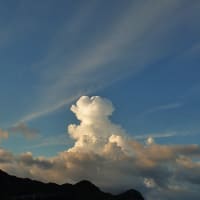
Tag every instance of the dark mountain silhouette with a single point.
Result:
(14, 188)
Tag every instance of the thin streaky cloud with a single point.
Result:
(156, 135)
(54, 107)
(166, 107)
(166, 134)
(59, 139)
(47, 111)
(161, 108)
(71, 29)
(125, 33)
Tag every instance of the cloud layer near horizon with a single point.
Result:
(106, 155)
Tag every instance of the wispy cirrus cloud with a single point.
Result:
(58, 140)
(35, 115)
(161, 108)
(136, 30)
(156, 135)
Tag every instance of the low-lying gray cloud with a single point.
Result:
(25, 130)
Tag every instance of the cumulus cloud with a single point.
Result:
(23, 129)
(95, 128)
(106, 155)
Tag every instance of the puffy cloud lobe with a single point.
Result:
(150, 141)
(95, 128)
(104, 154)
(88, 110)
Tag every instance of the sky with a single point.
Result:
(102, 90)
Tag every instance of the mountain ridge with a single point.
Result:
(15, 188)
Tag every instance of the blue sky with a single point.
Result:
(141, 55)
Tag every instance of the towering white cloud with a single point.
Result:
(95, 129)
